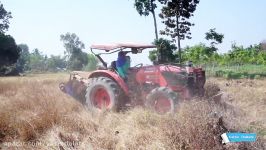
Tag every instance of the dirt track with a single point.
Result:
(35, 114)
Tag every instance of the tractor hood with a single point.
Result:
(164, 68)
(171, 68)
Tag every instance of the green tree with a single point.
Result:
(24, 58)
(75, 57)
(153, 55)
(261, 58)
(250, 55)
(145, 7)
(92, 63)
(4, 19)
(175, 15)
(225, 59)
(197, 54)
(9, 52)
(215, 38)
(78, 61)
(37, 61)
(56, 63)
(165, 50)
(200, 54)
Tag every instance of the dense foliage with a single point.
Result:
(9, 53)
(238, 55)
(77, 59)
(238, 63)
(92, 63)
(164, 52)
(36, 61)
(4, 19)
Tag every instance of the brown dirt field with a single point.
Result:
(35, 114)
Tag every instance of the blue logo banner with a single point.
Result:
(239, 137)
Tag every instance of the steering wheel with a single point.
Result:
(138, 65)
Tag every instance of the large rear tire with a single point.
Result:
(103, 94)
(162, 100)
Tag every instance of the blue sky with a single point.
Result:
(39, 23)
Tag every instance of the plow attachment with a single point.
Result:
(76, 85)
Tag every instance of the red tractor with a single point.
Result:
(157, 87)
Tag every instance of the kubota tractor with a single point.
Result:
(157, 87)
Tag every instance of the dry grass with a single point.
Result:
(34, 114)
(248, 97)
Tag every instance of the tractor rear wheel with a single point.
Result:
(162, 100)
(103, 94)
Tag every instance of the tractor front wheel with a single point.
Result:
(103, 94)
(162, 100)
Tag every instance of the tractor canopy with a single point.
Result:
(109, 49)
(119, 47)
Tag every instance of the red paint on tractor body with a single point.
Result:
(153, 74)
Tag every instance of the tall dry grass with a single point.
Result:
(249, 98)
(34, 114)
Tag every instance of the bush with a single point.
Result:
(239, 72)
(257, 77)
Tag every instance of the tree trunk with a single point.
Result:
(178, 40)
(159, 53)
(155, 25)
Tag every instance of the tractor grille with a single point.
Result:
(175, 79)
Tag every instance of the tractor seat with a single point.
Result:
(113, 65)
